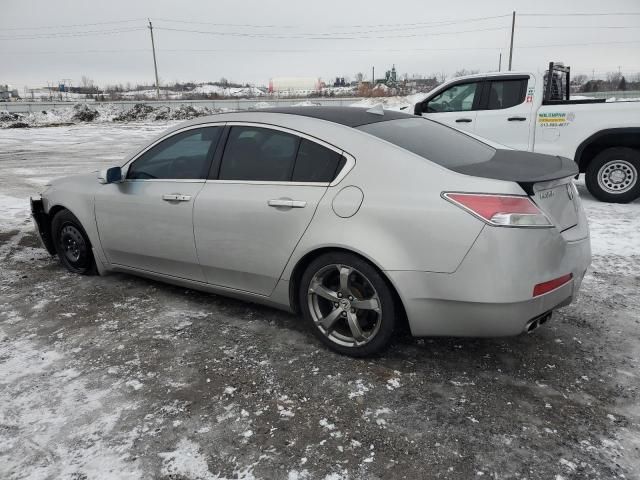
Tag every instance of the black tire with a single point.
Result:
(623, 161)
(72, 244)
(366, 288)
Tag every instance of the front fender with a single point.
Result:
(43, 224)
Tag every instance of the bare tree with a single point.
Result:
(579, 80)
(614, 78)
(359, 77)
(463, 72)
(86, 82)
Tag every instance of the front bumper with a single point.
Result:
(491, 293)
(43, 225)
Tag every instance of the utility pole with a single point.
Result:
(513, 28)
(155, 65)
(373, 77)
(500, 62)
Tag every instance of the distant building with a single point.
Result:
(289, 86)
(422, 84)
(390, 77)
(7, 93)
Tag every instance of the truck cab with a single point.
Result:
(534, 112)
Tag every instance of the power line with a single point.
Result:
(69, 34)
(74, 25)
(607, 14)
(323, 36)
(580, 44)
(578, 26)
(337, 26)
(309, 50)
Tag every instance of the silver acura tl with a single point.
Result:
(359, 220)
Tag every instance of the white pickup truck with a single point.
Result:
(523, 111)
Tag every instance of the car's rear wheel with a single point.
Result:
(72, 244)
(348, 304)
(613, 175)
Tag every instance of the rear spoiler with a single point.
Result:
(525, 168)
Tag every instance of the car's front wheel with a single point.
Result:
(613, 175)
(348, 304)
(72, 243)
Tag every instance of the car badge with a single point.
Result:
(570, 191)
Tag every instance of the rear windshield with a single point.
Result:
(433, 141)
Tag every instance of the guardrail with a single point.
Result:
(230, 104)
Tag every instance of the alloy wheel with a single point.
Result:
(344, 305)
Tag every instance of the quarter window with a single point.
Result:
(185, 155)
(506, 93)
(316, 163)
(458, 98)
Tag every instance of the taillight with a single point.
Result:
(546, 287)
(501, 210)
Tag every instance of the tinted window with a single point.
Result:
(316, 163)
(458, 98)
(183, 156)
(254, 153)
(506, 93)
(442, 145)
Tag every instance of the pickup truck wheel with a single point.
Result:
(72, 244)
(613, 175)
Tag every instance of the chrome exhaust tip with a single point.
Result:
(537, 322)
(532, 325)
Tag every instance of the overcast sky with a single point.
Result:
(250, 41)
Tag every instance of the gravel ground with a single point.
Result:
(121, 377)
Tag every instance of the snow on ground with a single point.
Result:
(119, 377)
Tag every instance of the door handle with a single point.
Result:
(285, 202)
(176, 197)
(463, 120)
(517, 119)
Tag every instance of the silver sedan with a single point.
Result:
(359, 220)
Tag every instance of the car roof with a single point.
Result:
(349, 116)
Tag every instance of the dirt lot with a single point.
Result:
(121, 377)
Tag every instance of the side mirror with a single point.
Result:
(417, 110)
(110, 175)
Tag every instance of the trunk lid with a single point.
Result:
(559, 201)
(547, 179)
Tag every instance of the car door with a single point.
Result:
(505, 111)
(146, 221)
(455, 106)
(251, 214)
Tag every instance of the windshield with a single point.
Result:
(431, 140)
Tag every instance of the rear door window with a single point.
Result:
(506, 93)
(259, 154)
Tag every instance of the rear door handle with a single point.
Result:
(517, 119)
(463, 120)
(176, 197)
(285, 202)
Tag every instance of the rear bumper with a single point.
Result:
(43, 225)
(491, 293)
